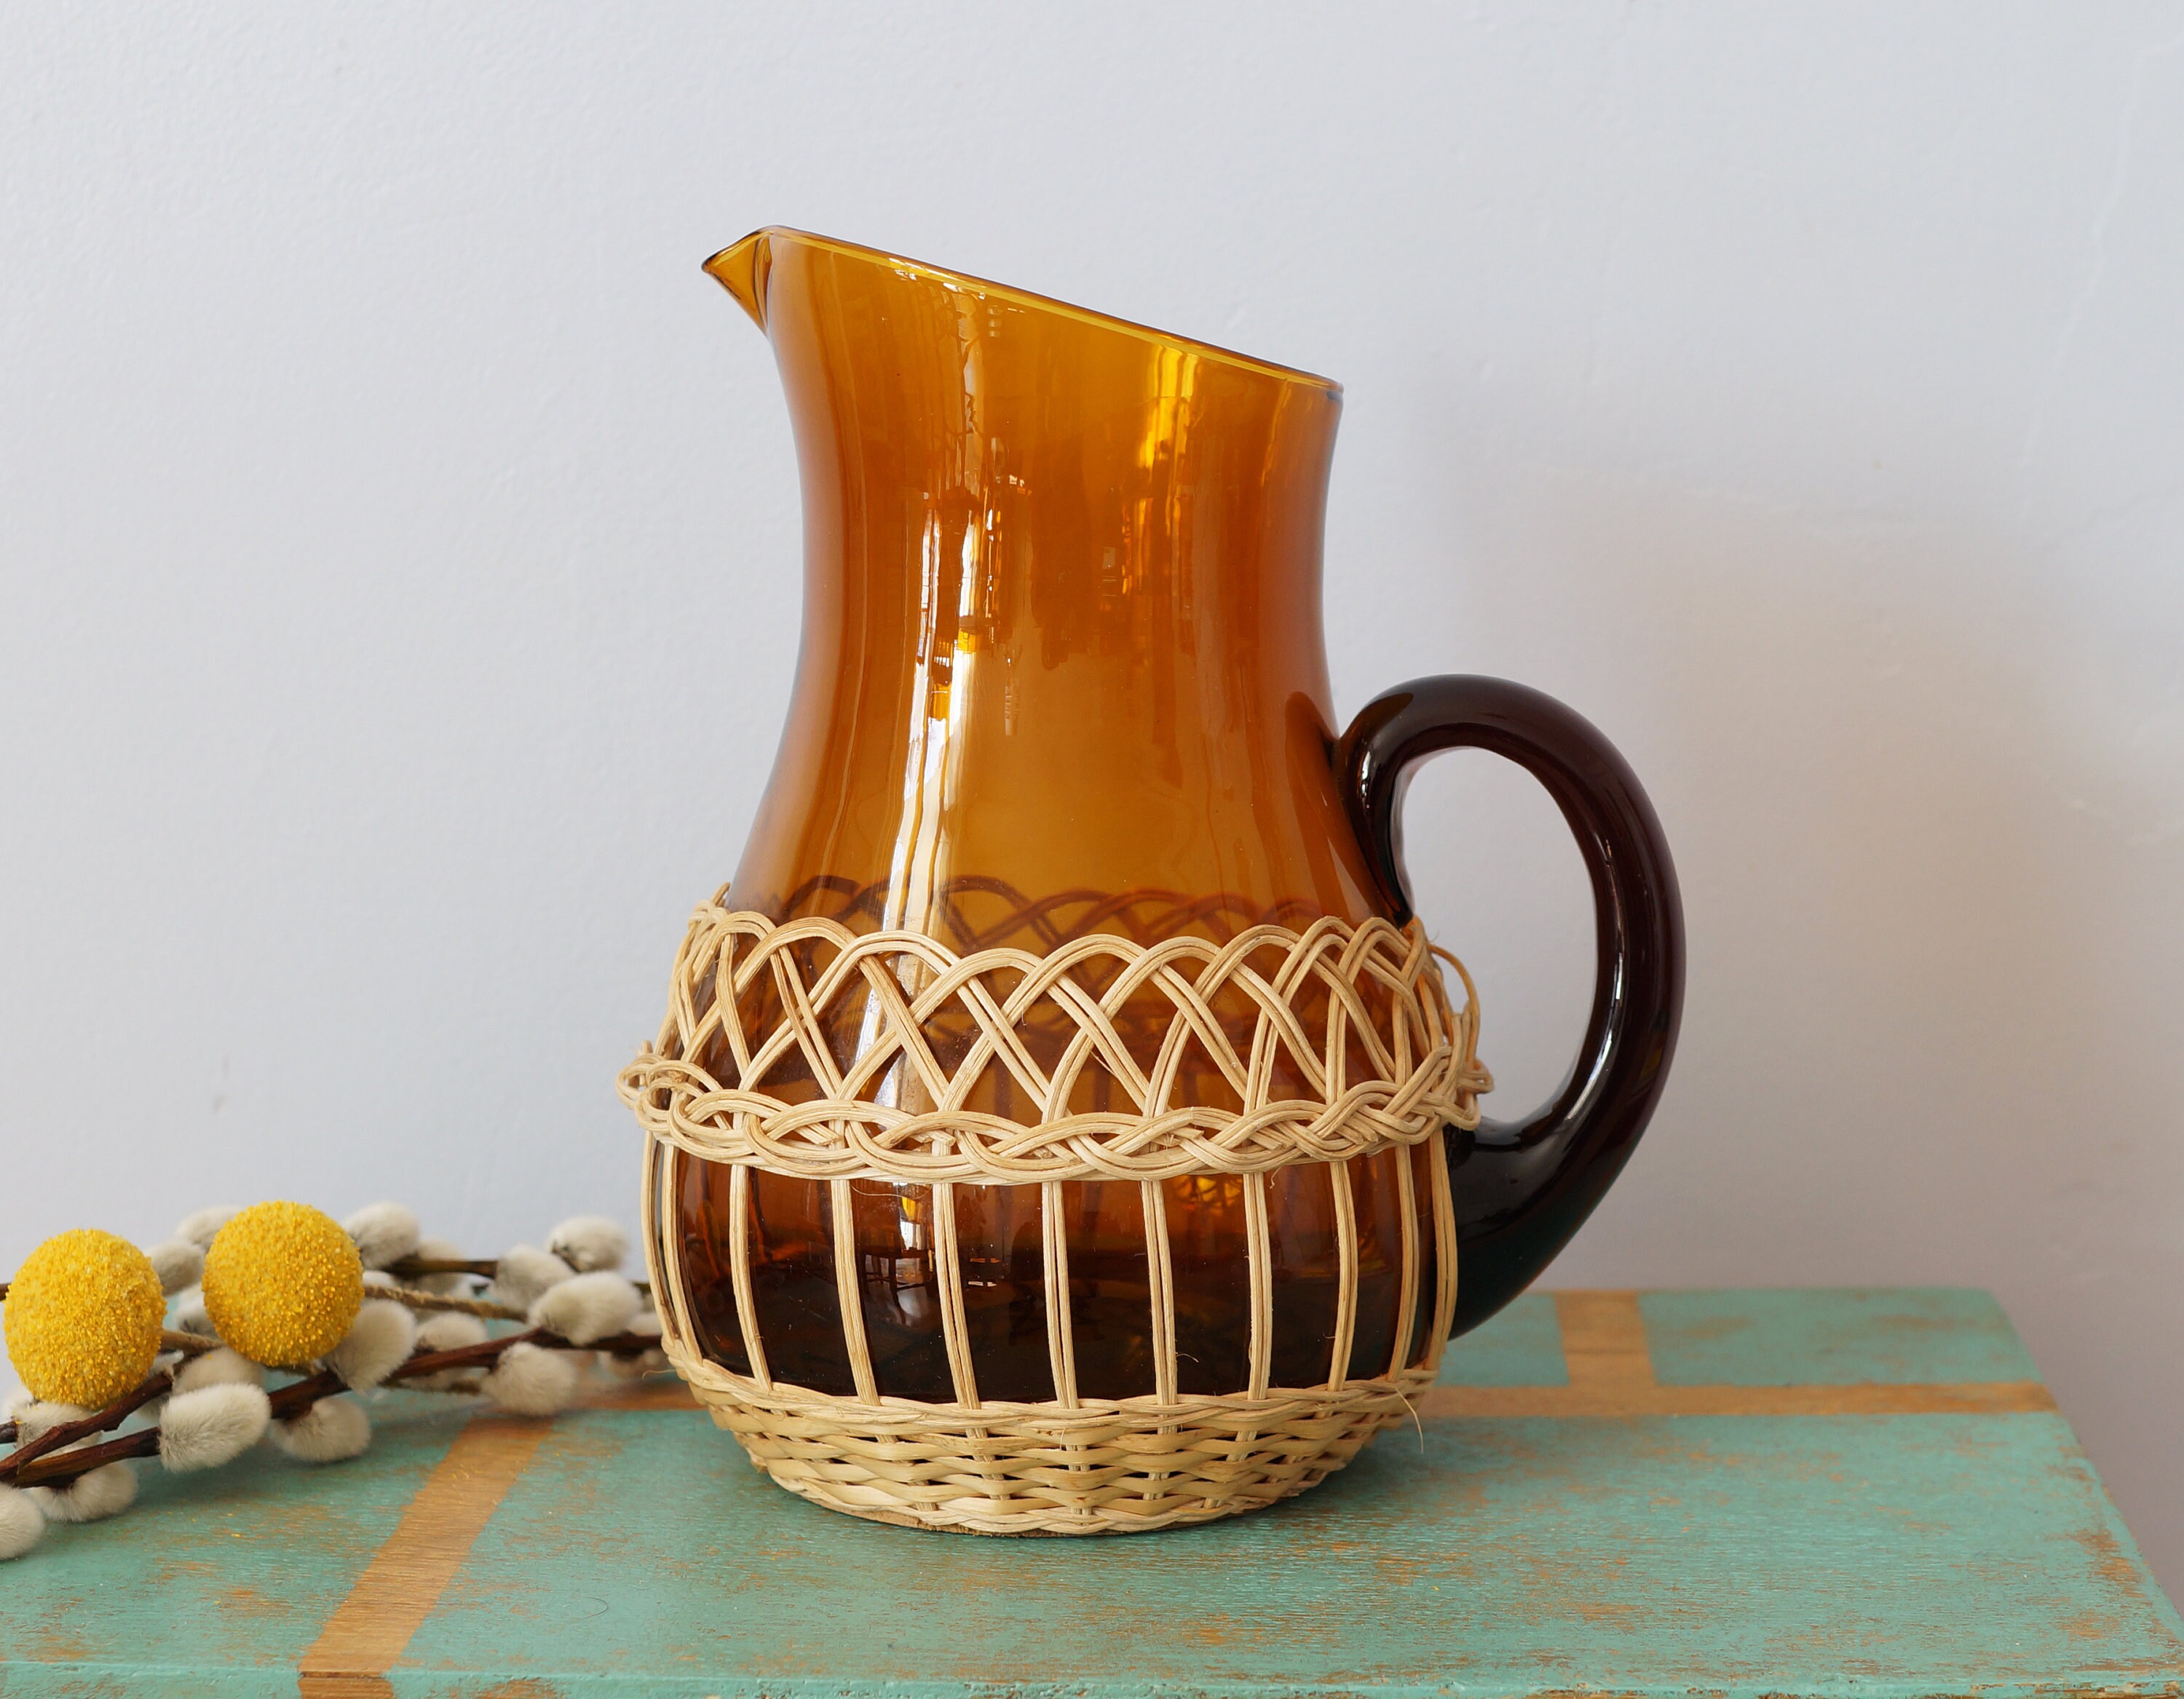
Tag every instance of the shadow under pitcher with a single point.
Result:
(1061, 1122)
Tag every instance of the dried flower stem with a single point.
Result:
(410, 1268)
(484, 1267)
(433, 1300)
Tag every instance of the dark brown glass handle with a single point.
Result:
(1524, 1187)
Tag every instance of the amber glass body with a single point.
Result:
(1062, 672)
(1061, 617)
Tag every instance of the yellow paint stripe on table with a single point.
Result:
(367, 1633)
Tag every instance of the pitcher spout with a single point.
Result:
(741, 269)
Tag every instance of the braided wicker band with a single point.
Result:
(1074, 1464)
(1420, 1058)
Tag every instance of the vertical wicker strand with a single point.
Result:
(1060, 1349)
(1407, 1306)
(947, 1265)
(658, 1165)
(677, 1301)
(1345, 1300)
(847, 1295)
(740, 1272)
(1260, 1252)
(1444, 1251)
(955, 1331)
(1161, 1270)
(1245, 1461)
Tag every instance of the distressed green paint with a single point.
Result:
(1826, 1555)
(1520, 1346)
(1793, 1337)
(212, 1584)
(159, 1680)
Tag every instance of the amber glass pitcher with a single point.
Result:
(1065, 1041)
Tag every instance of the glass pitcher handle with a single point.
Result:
(1523, 1187)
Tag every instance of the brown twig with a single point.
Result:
(98, 1421)
(299, 1395)
(471, 1356)
(72, 1466)
(189, 1345)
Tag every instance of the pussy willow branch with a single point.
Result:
(410, 1267)
(98, 1421)
(288, 1402)
(189, 1345)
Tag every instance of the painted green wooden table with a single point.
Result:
(1858, 1493)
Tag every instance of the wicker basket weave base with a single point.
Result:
(1377, 1061)
(1103, 1467)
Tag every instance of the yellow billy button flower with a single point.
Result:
(83, 1316)
(282, 1284)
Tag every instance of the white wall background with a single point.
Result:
(388, 508)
